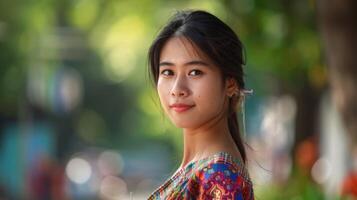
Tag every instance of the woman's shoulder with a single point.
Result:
(222, 162)
(223, 175)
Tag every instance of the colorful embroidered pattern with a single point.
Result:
(218, 177)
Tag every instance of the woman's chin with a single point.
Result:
(184, 124)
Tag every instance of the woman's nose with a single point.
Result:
(179, 88)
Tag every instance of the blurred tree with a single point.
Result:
(12, 58)
(338, 24)
(283, 55)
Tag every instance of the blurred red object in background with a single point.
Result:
(306, 155)
(349, 185)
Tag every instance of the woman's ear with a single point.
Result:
(231, 87)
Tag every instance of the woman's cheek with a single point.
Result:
(211, 98)
(162, 89)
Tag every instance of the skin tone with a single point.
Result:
(187, 76)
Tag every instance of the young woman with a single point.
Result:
(196, 65)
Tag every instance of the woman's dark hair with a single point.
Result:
(218, 42)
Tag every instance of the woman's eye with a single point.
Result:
(166, 72)
(196, 72)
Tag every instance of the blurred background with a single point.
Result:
(79, 118)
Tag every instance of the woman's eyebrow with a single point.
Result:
(198, 62)
(194, 62)
(166, 64)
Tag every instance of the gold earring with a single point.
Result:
(231, 95)
(235, 92)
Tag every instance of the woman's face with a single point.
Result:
(190, 87)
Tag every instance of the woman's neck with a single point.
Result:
(207, 140)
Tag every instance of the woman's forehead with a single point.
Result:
(180, 47)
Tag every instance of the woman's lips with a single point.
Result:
(180, 107)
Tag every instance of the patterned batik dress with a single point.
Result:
(220, 176)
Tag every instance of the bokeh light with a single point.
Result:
(78, 170)
(110, 163)
(113, 187)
